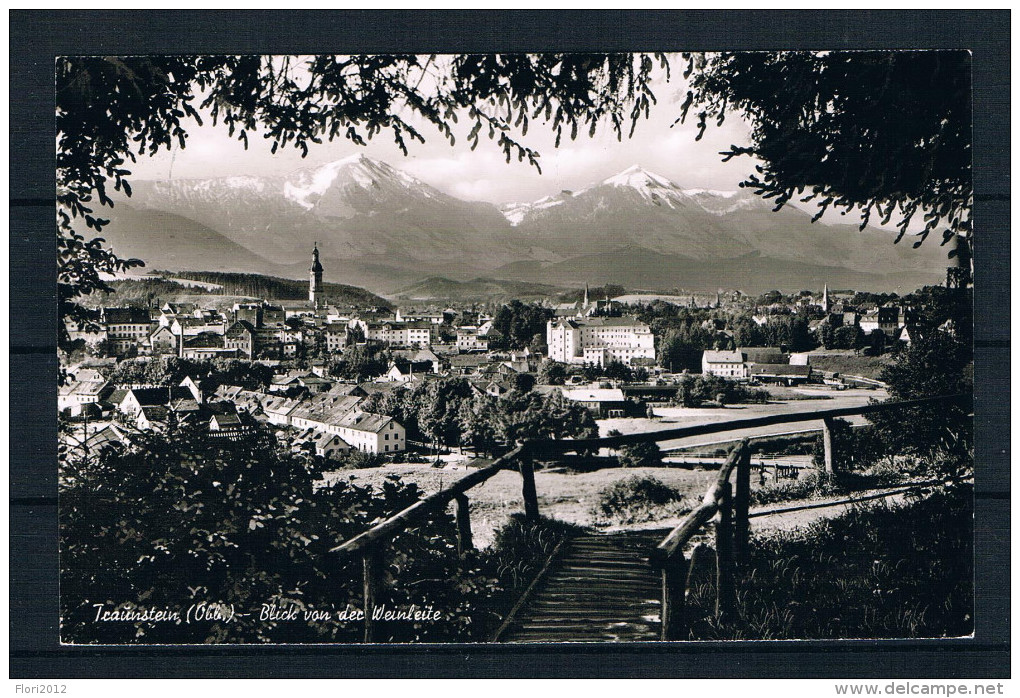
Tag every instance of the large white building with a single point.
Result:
(599, 340)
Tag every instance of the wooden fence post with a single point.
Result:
(464, 542)
(527, 468)
(725, 600)
(827, 425)
(371, 561)
(674, 597)
(742, 505)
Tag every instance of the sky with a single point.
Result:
(484, 175)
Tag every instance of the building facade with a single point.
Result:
(599, 340)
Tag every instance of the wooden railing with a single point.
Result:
(731, 530)
(731, 540)
(370, 544)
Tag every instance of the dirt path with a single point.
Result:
(787, 516)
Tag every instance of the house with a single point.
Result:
(151, 417)
(467, 364)
(73, 396)
(205, 346)
(763, 355)
(603, 402)
(126, 328)
(189, 383)
(186, 326)
(110, 436)
(135, 399)
(163, 342)
(228, 423)
(372, 433)
(399, 333)
(469, 339)
(241, 337)
(405, 371)
(307, 382)
(727, 364)
(329, 446)
(432, 317)
(886, 319)
(249, 312)
(498, 388)
(278, 410)
(336, 337)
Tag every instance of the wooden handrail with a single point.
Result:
(398, 522)
(550, 448)
(702, 514)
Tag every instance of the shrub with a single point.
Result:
(813, 483)
(638, 498)
(355, 459)
(642, 455)
(521, 547)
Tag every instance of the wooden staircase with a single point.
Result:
(598, 588)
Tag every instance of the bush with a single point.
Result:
(355, 459)
(642, 455)
(638, 498)
(521, 547)
(696, 390)
(179, 520)
(812, 483)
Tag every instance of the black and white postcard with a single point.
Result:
(517, 348)
(376, 352)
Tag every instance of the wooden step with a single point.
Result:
(598, 589)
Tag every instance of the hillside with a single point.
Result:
(479, 290)
(279, 289)
(638, 267)
(165, 240)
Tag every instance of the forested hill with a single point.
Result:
(276, 288)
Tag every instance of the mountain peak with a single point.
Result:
(306, 186)
(638, 177)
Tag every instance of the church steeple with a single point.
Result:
(315, 278)
(825, 298)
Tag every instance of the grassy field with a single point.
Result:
(846, 362)
(564, 495)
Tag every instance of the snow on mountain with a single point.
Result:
(306, 187)
(648, 184)
(516, 212)
(639, 186)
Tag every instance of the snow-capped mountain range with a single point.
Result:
(380, 227)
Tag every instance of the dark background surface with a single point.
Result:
(36, 37)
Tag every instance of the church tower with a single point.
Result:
(315, 278)
(825, 298)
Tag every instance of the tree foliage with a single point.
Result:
(451, 412)
(886, 133)
(519, 323)
(178, 521)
